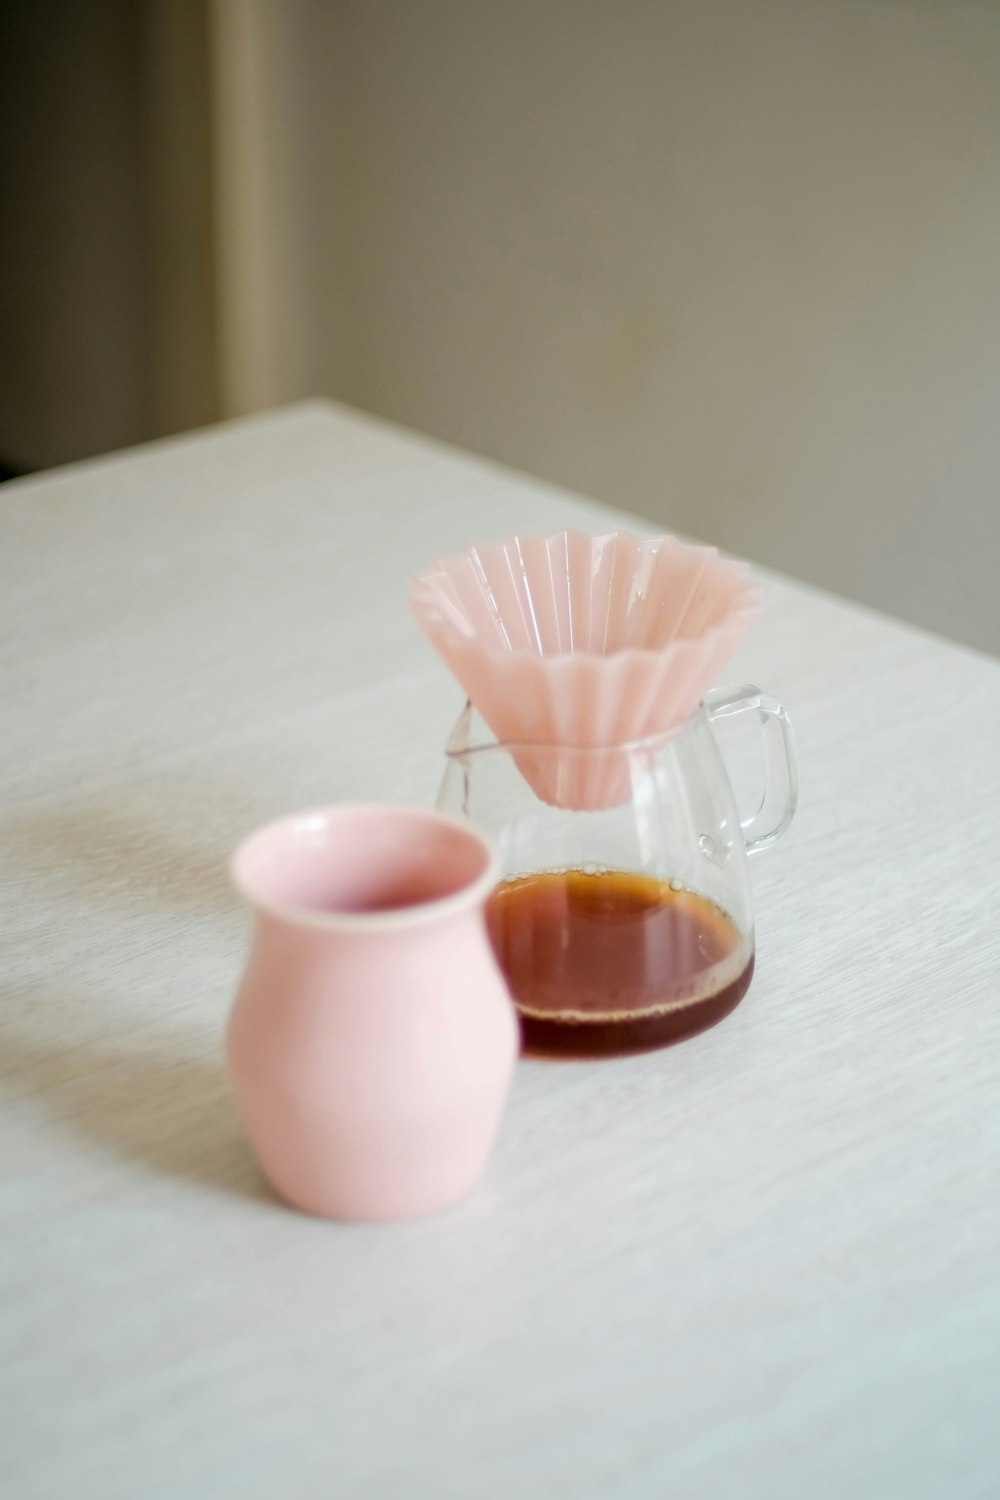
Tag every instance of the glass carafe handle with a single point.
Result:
(781, 779)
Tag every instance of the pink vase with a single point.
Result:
(372, 1041)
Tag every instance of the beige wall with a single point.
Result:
(732, 263)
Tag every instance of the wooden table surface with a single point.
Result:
(764, 1263)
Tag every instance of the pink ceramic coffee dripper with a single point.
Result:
(586, 642)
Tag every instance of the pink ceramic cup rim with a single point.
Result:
(467, 895)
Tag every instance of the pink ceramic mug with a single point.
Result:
(372, 1040)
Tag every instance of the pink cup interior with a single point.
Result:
(355, 861)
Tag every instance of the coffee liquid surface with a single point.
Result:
(603, 962)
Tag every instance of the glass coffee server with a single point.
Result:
(623, 920)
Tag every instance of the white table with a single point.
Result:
(764, 1263)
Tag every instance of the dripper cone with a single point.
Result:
(584, 642)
